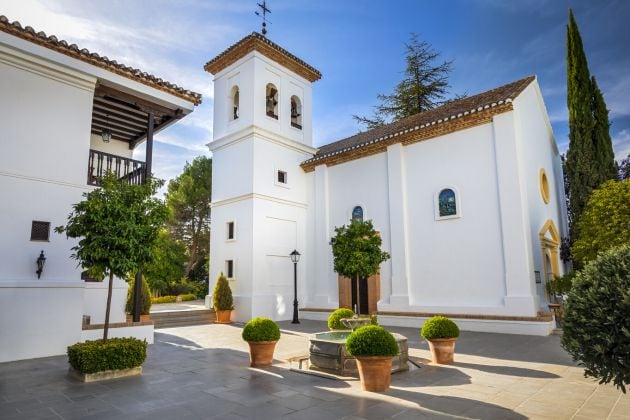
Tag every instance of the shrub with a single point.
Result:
(222, 295)
(145, 302)
(560, 285)
(374, 319)
(164, 299)
(439, 327)
(261, 329)
(334, 320)
(186, 297)
(371, 340)
(101, 355)
(596, 325)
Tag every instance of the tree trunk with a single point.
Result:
(109, 304)
(358, 297)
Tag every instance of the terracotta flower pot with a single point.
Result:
(375, 372)
(442, 350)
(223, 317)
(261, 353)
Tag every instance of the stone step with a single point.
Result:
(173, 319)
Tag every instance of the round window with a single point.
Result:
(544, 186)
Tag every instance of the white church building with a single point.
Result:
(468, 200)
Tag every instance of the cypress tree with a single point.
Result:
(606, 165)
(590, 159)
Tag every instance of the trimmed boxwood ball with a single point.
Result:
(371, 340)
(439, 327)
(261, 329)
(334, 320)
(596, 323)
(112, 354)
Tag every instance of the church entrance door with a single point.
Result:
(363, 295)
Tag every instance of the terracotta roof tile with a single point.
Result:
(52, 42)
(260, 43)
(461, 108)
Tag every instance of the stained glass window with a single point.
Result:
(357, 214)
(447, 203)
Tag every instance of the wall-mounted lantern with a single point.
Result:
(106, 135)
(40, 264)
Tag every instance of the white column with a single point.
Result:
(397, 187)
(325, 282)
(519, 299)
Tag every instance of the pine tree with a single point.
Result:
(424, 86)
(590, 160)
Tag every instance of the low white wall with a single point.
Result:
(95, 301)
(39, 318)
(141, 332)
(464, 324)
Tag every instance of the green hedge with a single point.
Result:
(261, 329)
(596, 323)
(164, 299)
(187, 297)
(334, 320)
(371, 340)
(112, 354)
(439, 327)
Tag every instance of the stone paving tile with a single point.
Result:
(203, 372)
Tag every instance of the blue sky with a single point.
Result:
(358, 47)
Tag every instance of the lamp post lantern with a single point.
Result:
(295, 257)
(41, 260)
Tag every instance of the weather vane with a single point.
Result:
(264, 10)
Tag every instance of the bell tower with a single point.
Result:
(262, 133)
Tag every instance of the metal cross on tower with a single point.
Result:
(263, 14)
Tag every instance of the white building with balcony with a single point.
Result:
(67, 115)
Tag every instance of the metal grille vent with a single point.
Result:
(40, 231)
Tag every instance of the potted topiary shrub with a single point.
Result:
(334, 320)
(261, 334)
(441, 333)
(107, 359)
(222, 300)
(145, 300)
(373, 347)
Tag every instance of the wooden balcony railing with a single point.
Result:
(100, 163)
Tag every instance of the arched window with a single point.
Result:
(271, 101)
(357, 214)
(235, 104)
(296, 112)
(447, 203)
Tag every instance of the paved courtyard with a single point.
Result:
(203, 372)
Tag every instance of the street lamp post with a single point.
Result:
(295, 257)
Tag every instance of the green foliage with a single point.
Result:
(596, 324)
(188, 199)
(222, 295)
(560, 285)
(187, 297)
(373, 319)
(168, 264)
(605, 222)
(590, 158)
(334, 320)
(101, 355)
(371, 340)
(261, 329)
(439, 327)
(145, 301)
(424, 86)
(117, 226)
(164, 299)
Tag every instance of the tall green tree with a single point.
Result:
(117, 226)
(169, 262)
(590, 160)
(188, 199)
(424, 86)
(357, 252)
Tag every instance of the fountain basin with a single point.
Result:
(327, 352)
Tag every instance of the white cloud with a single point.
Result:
(621, 144)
